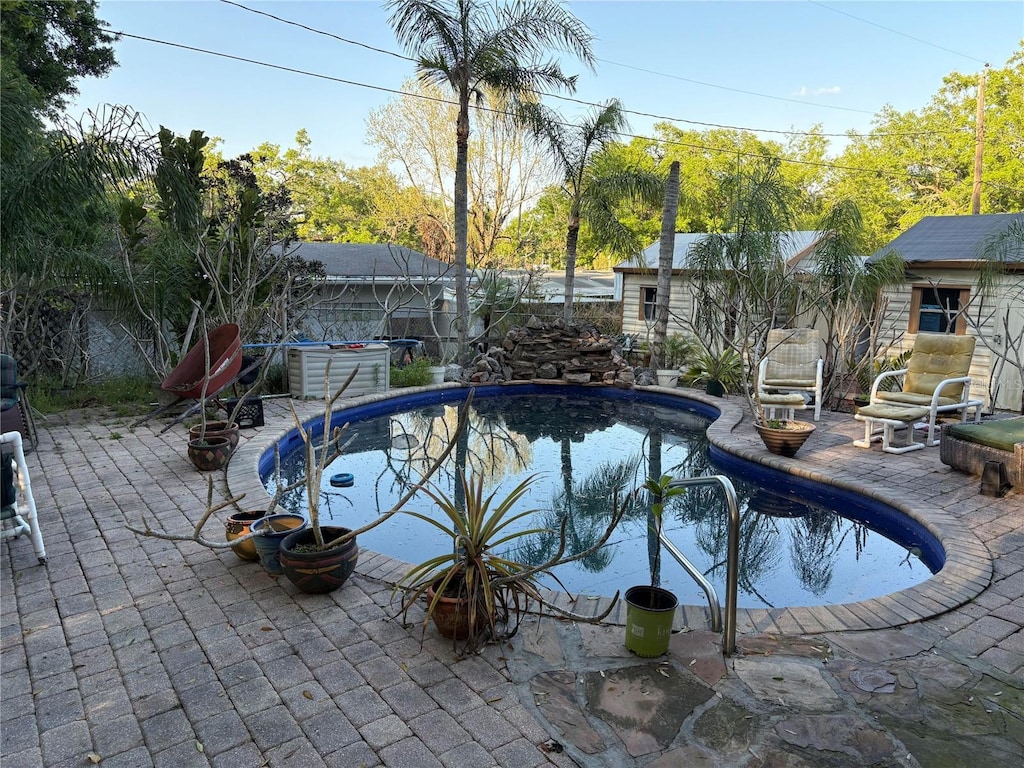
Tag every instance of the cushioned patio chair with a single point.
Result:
(936, 378)
(15, 412)
(792, 365)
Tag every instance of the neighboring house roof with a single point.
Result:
(365, 261)
(588, 285)
(955, 239)
(796, 246)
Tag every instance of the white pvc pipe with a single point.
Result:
(30, 517)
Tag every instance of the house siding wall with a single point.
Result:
(1001, 315)
(680, 304)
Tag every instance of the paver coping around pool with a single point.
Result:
(967, 571)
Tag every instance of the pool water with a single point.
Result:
(800, 545)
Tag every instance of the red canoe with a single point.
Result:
(188, 378)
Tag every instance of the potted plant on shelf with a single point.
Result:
(475, 593)
(650, 609)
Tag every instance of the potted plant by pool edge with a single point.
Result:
(474, 593)
(314, 471)
(720, 372)
(320, 558)
(650, 610)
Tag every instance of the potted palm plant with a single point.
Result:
(719, 371)
(650, 609)
(475, 593)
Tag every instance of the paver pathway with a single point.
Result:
(136, 652)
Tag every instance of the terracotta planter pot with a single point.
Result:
(210, 453)
(239, 525)
(316, 572)
(785, 441)
(215, 429)
(451, 616)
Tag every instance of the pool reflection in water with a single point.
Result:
(590, 450)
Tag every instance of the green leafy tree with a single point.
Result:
(474, 49)
(921, 162)
(51, 43)
(592, 188)
(328, 203)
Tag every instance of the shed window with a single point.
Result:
(648, 298)
(937, 309)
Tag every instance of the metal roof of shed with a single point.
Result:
(364, 260)
(793, 245)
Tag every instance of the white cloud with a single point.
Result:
(805, 91)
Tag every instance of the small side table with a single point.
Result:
(883, 420)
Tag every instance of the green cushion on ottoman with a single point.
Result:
(1000, 433)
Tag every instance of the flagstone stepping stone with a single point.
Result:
(645, 705)
(555, 695)
(879, 645)
(838, 733)
(788, 683)
(873, 680)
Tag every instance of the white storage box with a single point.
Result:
(307, 366)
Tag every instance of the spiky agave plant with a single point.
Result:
(493, 591)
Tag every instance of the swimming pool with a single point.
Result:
(588, 440)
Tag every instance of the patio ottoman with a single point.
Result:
(883, 419)
(784, 403)
(967, 447)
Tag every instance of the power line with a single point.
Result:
(735, 90)
(760, 130)
(425, 97)
(897, 32)
(319, 31)
(561, 97)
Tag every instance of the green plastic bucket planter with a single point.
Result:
(649, 615)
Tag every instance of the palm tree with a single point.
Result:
(475, 48)
(591, 188)
(666, 256)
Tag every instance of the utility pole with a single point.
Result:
(979, 142)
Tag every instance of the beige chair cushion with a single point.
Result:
(913, 398)
(792, 355)
(937, 356)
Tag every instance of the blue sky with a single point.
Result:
(775, 66)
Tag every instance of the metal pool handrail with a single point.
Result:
(731, 565)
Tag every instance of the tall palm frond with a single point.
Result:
(470, 47)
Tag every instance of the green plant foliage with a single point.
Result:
(725, 367)
(415, 374)
(126, 394)
(679, 350)
(497, 589)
